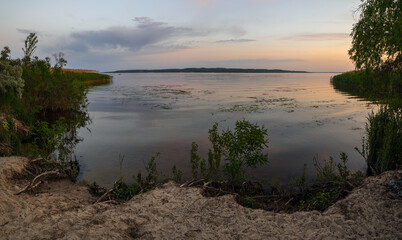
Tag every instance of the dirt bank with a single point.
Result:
(62, 210)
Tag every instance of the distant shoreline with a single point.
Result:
(207, 70)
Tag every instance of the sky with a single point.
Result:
(105, 35)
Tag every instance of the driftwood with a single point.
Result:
(107, 193)
(217, 191)
(192, 182)
(37, 160)
(187, 183)
(288, 201)
(264, 196)
(38, 180)
(196, 182)
(207, 183)
(205, 187)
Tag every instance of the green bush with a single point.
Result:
(10, 142)
(48, 89)
(46, 138)
(239, 149)
(125, 191)
(10, 78)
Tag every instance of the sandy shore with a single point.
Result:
(63, 210)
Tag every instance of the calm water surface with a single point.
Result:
(140, 114)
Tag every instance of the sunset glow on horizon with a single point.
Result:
(311, 35)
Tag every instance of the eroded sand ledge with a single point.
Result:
(62, 210)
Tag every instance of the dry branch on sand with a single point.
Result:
(32, 186)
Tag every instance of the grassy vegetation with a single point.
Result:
(89, 78)
(122, 191)
(381, 86)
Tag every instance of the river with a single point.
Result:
(140, 114)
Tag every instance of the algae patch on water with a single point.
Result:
(165, 93)
(241, 108)
(260, 104)
(167, 90)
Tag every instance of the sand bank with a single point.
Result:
(63, 210)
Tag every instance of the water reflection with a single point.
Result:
(140, 114)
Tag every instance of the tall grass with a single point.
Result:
(88, 78)
(385, 87)
(382, 145)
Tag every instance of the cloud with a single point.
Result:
(28, 31)
(318, 36)
(237, 31)
(235, 40)
(25, 31)
(147, 32)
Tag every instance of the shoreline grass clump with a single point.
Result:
(382, 145)
(123, 191)
(379, 86)
(88, 78)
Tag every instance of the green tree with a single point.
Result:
(60, 61)
(30, 46)
(5, 53)
(377, 40)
